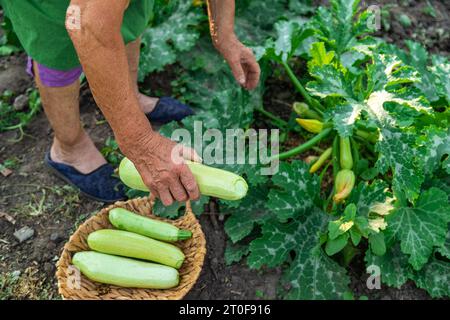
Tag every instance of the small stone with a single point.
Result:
(6, 172)
(55, 237)
(24, 234)
(21, 102)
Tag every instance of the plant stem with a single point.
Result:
(328, 200)
(313, 103)
(324, 171)
(280, 122)
(366, 143)
(14, 127)
(359, 125)
(305, 146)
(317, 149)
(335, 156)
(369, 136)
(355, 152)
(283, 137)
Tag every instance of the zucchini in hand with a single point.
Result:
(129, 221)
(125, 272)
(132, 245)
(211, 181)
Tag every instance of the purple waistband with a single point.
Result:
(54, 78)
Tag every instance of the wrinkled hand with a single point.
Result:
(242, 62)
(160, 163)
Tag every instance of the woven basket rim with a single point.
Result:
(194, 249)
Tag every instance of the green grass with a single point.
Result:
(8, 282)
(11, 119)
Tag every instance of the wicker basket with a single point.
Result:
(193, 248)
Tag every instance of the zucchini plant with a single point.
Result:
(375, 118)
(385, 194)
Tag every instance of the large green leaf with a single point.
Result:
(250, 211)
(311, 275)
(344, 117)
(273, 247)
(435, 83)
(178, 208)
(422, 227)
(235, 252)
(394, 267)
(435, 278)
(445, 249)
(255, 19)
(163, 42)
(301, 6)
(295, 190)
(441, 70)
(397, 152)
(366, 195)
(289, 36)
(436, 143)
(330, 82)
(340, 26)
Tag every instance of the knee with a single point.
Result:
(95, 24)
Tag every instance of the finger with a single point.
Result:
(149, 183)
(252, 78)
(177, 190)
(191, 154)
(253, 72)
(177, 154)
(153, 194)
(189, 183)
(238, 72)
(165, 196)
(252, 81)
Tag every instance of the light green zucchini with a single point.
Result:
(129, 221)
(211, 181)
(125, 272)
(132, 245)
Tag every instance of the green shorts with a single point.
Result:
(40, 27)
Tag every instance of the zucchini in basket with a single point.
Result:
(129, 221)
(132, 245)
(125, 272)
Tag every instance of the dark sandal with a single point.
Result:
(168, 109)
(98, 185)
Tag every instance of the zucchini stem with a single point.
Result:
(277, 120)
(324, 170)
(312, 102)
(355, 152)
(335, 157)
(184, 234)
(305, 146)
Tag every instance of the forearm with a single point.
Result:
(101, 51)
(221, 20)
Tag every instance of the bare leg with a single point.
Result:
(133, 49)
(71, 144)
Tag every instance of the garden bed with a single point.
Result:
(31, 197)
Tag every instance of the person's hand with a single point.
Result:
(242, 62)
(160, 163)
